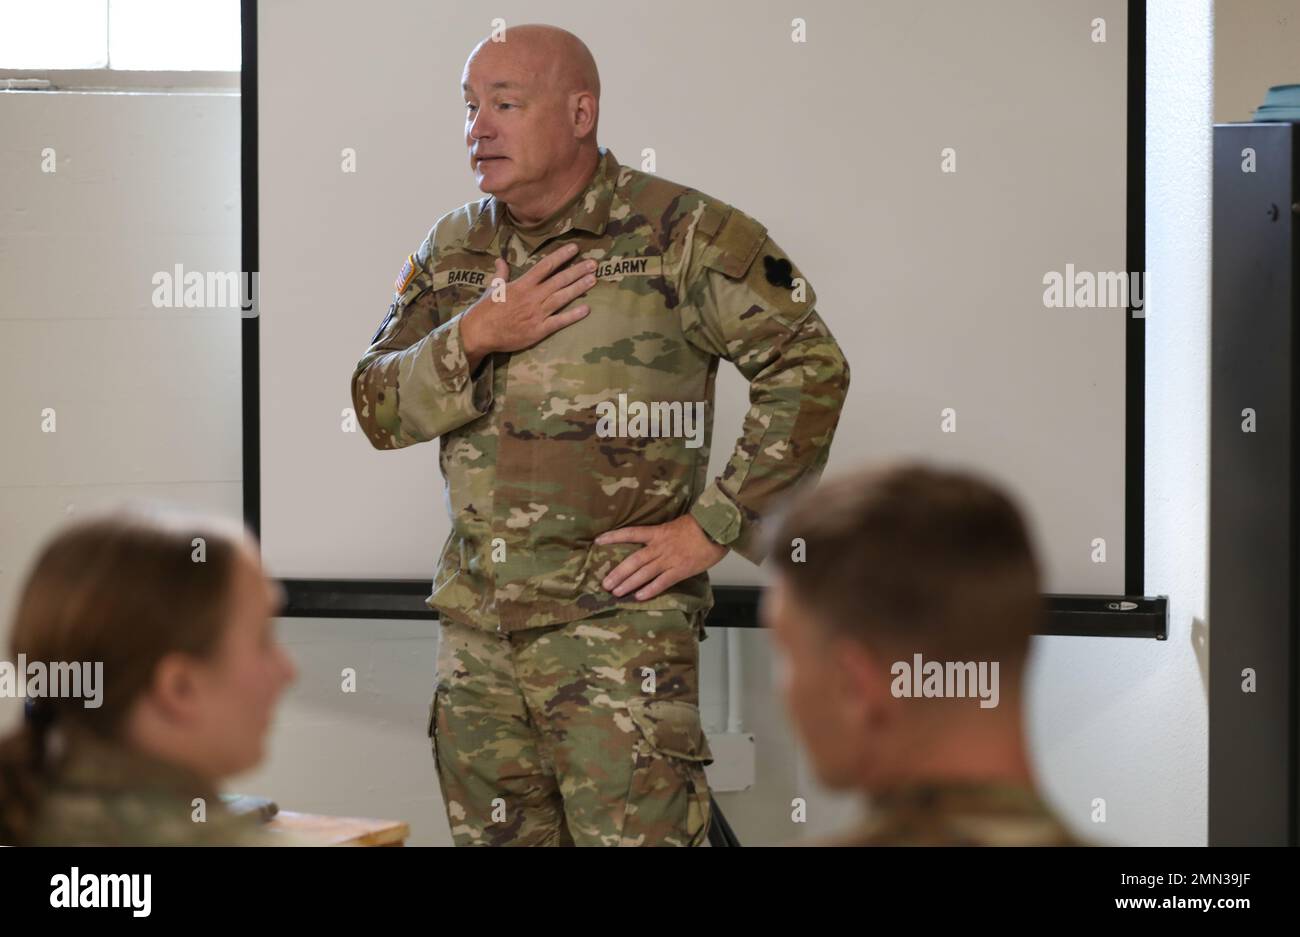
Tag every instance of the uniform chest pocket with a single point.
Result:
(631, 284)
(634, 322)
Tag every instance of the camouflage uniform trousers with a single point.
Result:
(584, 733)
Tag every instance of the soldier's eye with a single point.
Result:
(469, 107)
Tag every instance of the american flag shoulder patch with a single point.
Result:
(404, 278)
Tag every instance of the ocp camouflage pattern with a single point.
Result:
(685, 280)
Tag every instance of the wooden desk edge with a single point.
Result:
(340, 831)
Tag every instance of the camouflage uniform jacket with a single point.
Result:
(955, 814)
(532, 474)
(103, 794)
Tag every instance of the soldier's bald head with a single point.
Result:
(532, 111)
(561, 61)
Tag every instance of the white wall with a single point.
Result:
(148, 403)
(146, 400)
(1125, 720)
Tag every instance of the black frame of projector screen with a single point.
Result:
(1131, 615)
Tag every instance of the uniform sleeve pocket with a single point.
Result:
(735, 245)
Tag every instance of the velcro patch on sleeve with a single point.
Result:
(406, 276)
(737, 243)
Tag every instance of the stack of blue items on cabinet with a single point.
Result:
(1282, 103)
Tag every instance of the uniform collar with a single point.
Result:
(590, 209)
(933, 798)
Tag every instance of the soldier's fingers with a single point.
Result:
(649, 571)
(502, 271)
(554, 323)
(550, 263)
(625, 534)
(562, 298)
(660, 583)
(566, 275)
(626, 568)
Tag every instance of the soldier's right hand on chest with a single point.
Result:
(518, 314)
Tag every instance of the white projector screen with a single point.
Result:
(843, 146)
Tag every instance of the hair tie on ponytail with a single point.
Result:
(22, 764)
(38, 712)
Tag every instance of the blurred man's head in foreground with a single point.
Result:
(903, 603)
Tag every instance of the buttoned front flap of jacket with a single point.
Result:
(749, 303)
(604, 422)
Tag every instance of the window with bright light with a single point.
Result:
(138, 35)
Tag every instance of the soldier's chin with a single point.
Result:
(253, 754)
(492, 175)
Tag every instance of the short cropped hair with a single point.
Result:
(913, 558)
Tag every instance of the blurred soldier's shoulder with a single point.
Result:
(100, 793)
(142, 818)
(957, 814)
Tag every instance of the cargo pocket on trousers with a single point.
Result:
(668, 795)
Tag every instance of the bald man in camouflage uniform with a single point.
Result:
(572, 590)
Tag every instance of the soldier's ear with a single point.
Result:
(176, 689)
(862, 672)
(584, 110)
